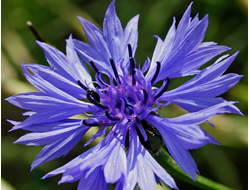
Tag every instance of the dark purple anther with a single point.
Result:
(132, 69)
(94, 98)
(92, 122)
(130, 53)
(163, 89)
(145, 97)
(114, 69)
(158, 67)
(93, 66)
(97, 71)
(132, 64)
(82, 85)
(111, 117)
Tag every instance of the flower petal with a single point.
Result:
(57, 60)
(58, 148)
(130, 37)
(193, 60)
(38, 102)
(93, 179)
(194, 104)
(115, 166)
(96, 39)
(57, 80)
(113, 32)
(51, 116)
(43, 138)
(80, 70)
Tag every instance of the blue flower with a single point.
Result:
(123, 98)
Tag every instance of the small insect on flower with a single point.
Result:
(123, 98)
(154, 140)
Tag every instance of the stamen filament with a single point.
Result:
(132, 69)
(93, 101)
(145, 96)
(130, 53)
(99, 123)
(163, 89)
(94, 95)
(158, 67)
(114, 69)
(82, 85)
(111, 117)
(99, 79)
(93, 66)
(132, 63)
(97, 71)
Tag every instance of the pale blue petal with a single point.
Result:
(193, 104)
(162, 50)
(80, 70)
(195, 59)
(180, 154)
(62, 83)
(116, 164)
(71, 167)
(49, 89)
(96, 39)
(199, 117)
(38, 102)
(57, 60)
(113, 32)
(58, 149)
(130, 37)
(51, 116)
(160, 172)
(47, 127)
(88, 53)
(93, 179)
(182, 26)
(43, 138)
(146, 179)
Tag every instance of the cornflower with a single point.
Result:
(123, 98)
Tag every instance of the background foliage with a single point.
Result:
(55, 20)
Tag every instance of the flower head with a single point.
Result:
(123, 98)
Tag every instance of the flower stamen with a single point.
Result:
(130, 53)
(93, 66)
(132, 71)
(129, 109)
(82, 85)
(145, 97)
(91, 124)
(132, 64)
(158, 67)
(92, 96)
(114, 69)
(163, 89)
(111, 117)
(98, 72)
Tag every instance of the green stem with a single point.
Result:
(172, 168)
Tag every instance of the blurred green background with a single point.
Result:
(56, 19)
